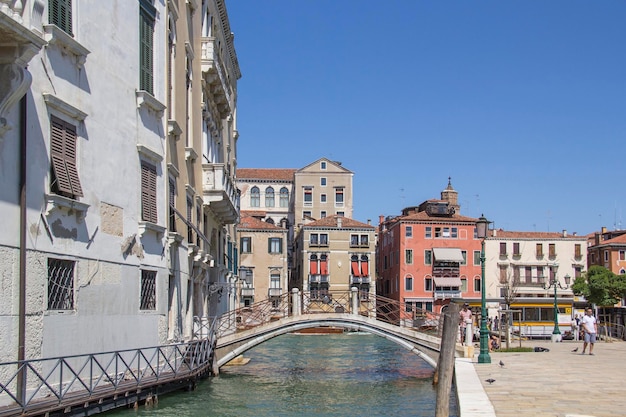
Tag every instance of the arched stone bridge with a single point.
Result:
(245, 328)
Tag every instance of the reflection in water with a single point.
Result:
(352, 374)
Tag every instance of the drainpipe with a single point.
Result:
(21, 343)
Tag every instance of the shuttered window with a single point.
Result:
(147, 15)
(189, 220)
(172, 204)
(64, 178)
(148, 192)
(60, 14)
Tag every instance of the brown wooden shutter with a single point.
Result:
(63, 156)
(148, 192)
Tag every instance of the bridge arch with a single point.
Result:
(232, 345)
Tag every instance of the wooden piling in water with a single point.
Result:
(445, 364)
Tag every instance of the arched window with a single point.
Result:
(269, 197)
(408, 282)
(324, 264)
(255, 197)
(365, 266)
(359, 267)
(284, 197)
(314, 265)
(354, 266)
(269, 220)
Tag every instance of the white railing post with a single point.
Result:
(355, 300)
(295, 302)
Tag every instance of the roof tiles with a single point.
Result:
(273, 174)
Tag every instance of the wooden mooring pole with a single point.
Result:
(445, 364)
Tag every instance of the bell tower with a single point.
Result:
(451, 196)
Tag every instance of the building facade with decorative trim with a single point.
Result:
(335, 254)
(520, 266)
(429, 255)
(101, 253)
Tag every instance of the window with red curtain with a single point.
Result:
(313, 265)
(365, 270)
(323, 265)
(355, 266)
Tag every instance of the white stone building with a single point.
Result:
(85, 154)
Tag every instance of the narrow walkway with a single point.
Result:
(540, 384)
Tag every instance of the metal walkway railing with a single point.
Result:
(87, 381)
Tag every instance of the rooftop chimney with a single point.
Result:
(564, 233)
(339, 222)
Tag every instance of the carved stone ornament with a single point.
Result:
(14, 82)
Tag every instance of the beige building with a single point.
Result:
(201, 150)
(289, 198)
(334, 254)
(263, 271)
(519, 266)
(322, 188)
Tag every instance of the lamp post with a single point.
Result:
(554, 282)
(482, 227)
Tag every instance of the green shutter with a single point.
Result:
(60, 14)
(147, 15)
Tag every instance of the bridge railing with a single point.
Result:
(57, 382)
(404, 315)
(254, 315)
(314, 302)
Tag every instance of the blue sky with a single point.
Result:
(522, 103)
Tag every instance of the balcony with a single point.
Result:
(445, 294)
(215, 75)
(220, 193)
(318, 278)
(19, 46)
(247, 292)
(360, 280)
(274, 292)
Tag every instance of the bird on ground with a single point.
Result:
(490, 380)
(575, 350)
(501, 364)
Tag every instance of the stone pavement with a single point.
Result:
(540, 384)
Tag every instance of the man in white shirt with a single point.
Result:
(590, 328)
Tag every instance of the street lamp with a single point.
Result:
(482, 227)
(554, 282)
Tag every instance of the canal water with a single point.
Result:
(350, 374)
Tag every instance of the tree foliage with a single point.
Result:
(600, 286)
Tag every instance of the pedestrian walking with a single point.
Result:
(590, 329)
(465, 318)
(576, 327)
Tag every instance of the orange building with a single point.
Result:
(608, 249)
(429, 255)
